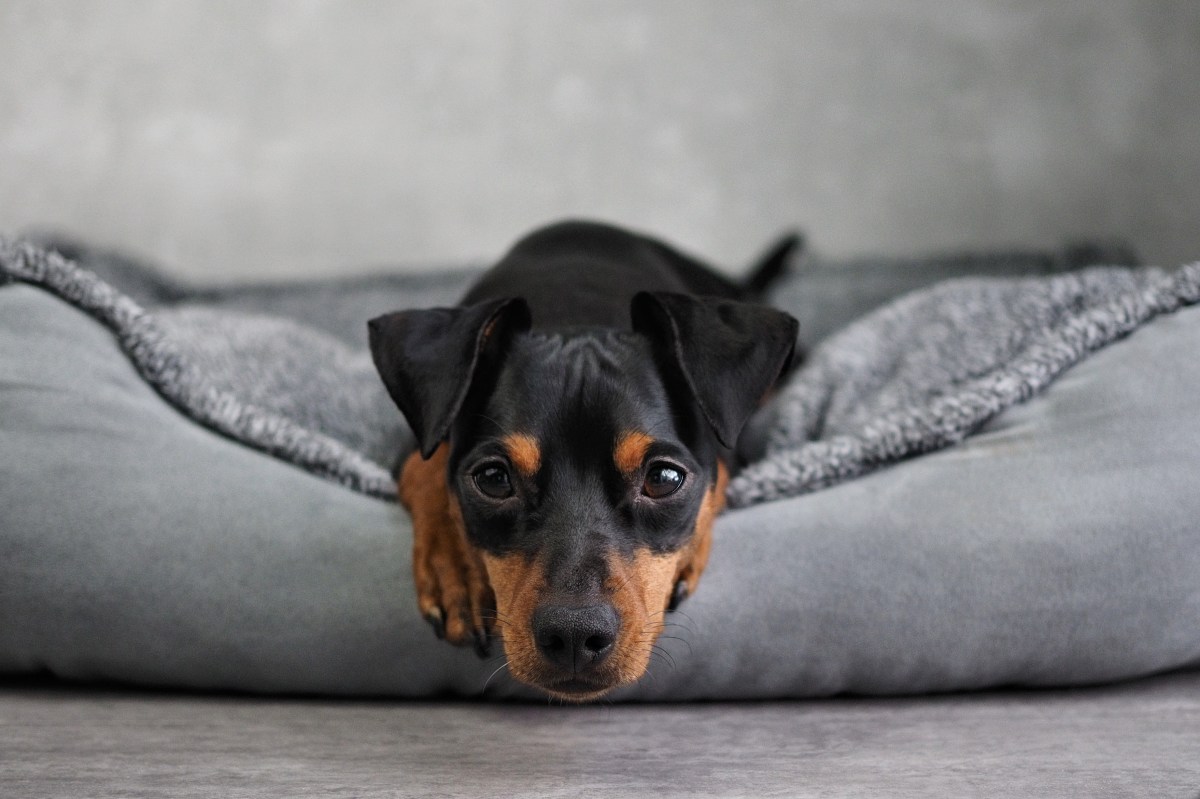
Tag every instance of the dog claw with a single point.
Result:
(435, 618)
(483, 644)
(678, 595)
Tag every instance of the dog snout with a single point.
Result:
(575, 639)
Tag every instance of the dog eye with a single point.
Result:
(662, 480)
(493, 481)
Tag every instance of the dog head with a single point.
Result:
(583, 468)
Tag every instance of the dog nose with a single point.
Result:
(575, 638)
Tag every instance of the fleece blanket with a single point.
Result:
(918, 374)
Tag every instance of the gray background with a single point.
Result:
(249, 140)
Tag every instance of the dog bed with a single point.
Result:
(1055, 544)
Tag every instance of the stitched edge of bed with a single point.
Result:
(160, 363)
(950, 418)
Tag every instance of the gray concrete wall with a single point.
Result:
(260, 139)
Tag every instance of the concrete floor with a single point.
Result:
(1135, 739)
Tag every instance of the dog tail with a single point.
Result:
(773, 263)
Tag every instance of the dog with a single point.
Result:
(575, 419)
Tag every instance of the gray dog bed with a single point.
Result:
(1056, 544)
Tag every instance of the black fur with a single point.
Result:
(427, 359)
(582, 332)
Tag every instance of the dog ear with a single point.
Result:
(729, 353)
(427, 359)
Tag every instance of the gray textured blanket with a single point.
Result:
(286, 369)
(929, 368)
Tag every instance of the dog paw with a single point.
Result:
(453, 592)
(687, 580)
(678, 594)
(695, 558)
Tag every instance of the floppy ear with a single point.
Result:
(428, 358)
(729, 353)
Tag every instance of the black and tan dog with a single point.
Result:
(574, 419)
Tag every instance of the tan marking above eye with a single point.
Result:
(631, 450)
(524, 453)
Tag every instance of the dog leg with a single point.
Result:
(453, 592)
(693, 561)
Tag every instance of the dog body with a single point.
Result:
(574, 418)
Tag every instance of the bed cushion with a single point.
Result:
(1059, 545)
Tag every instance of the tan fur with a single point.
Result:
(453, 577)
(695, 556)
(641, 588)
(524, 453)
(448, 572)
(631, 450)
(519, 583)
